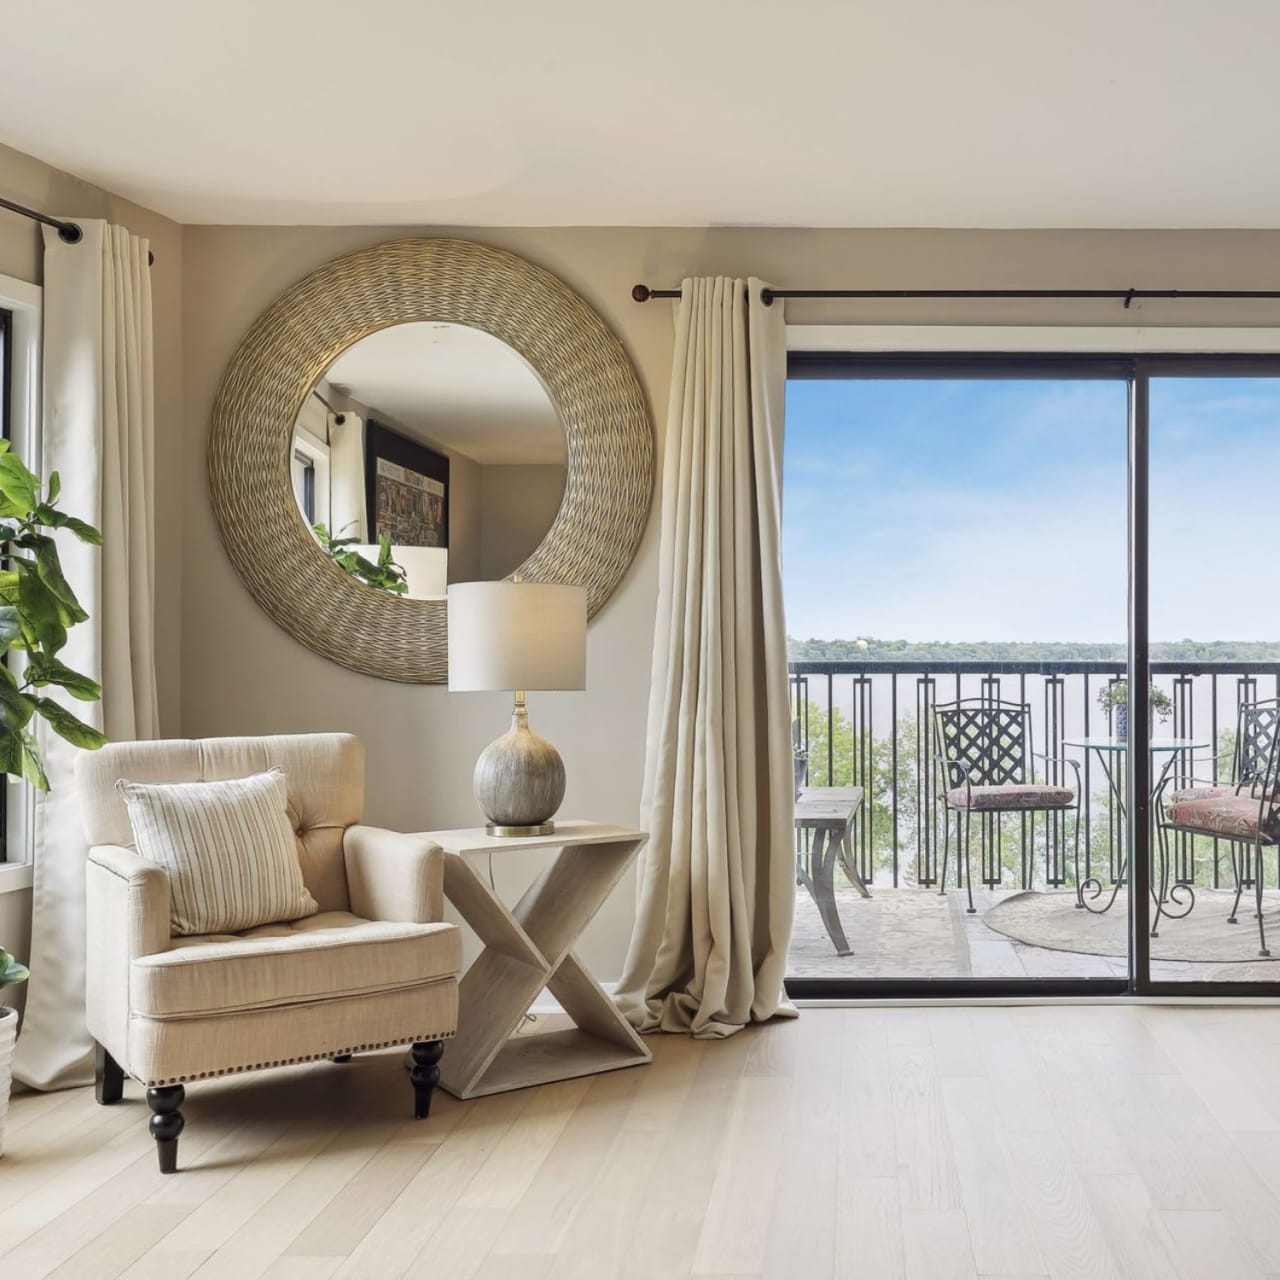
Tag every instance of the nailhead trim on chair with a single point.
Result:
(310, 1057)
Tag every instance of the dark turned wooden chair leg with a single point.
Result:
(341, 1058)
(108, 1079)
(424, 1074)
(167, 1123)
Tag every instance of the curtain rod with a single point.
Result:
(642, 293)
(68, 232)
(338, 416)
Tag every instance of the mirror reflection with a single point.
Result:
(428, 453)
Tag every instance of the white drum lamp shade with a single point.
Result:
(517, 635)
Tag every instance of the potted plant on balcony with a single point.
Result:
(11, 973)
(1114, 700)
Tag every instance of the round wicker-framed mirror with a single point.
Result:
(608, 469)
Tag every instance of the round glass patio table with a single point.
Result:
(1109, 750)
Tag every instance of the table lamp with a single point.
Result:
(516, 636)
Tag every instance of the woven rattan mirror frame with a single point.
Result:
(609, 480)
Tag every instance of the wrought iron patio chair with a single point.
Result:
(984, 755)
(1244, 811)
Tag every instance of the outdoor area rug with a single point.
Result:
(1053, 920)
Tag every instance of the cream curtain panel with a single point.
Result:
(98, 432)
(717, 879)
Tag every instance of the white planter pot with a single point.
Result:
(8, 1035)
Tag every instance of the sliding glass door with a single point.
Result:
(1213, 456)
(1007, 665)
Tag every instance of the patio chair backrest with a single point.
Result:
(991, 738)
(1258, 744)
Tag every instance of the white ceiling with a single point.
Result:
(960, 113)
(456, 387)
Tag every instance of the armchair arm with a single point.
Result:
(1073, 765)
(946, 763)
(126, 916)
(393, 876)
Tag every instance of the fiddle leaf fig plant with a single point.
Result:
(385, 575)
(37, 609)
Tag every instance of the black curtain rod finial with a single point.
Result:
(68, 232)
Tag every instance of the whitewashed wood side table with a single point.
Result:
(529, 947)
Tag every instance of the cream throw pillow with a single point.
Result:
(229, 848)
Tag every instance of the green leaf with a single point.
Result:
(67, 726)
(55, 519)
(55, 487)
(39, 609)
(44, 670)
(11, 972)
(49, 566)
(17, 483)
(83, 530)
(10, 626)
(16, 707)
(11, 751)
(29, 763)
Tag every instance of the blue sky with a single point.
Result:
(995, 510)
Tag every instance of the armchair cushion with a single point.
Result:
(321, 957)
(1011, 795)
(1244, 817)
(229, 848)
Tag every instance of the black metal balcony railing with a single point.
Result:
(869, 724)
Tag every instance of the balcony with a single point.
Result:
(870, 725)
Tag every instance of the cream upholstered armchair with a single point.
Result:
(375, 967)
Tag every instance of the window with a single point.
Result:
(304, 484)
(20, 304)
(309, 474)
(6, 425)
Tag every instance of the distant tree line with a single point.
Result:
(872, 650)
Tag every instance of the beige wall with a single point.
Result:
(30, 182)
(519, 503)
(242, 674)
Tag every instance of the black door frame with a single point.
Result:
(1136, 371)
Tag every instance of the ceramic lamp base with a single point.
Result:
(519, 780)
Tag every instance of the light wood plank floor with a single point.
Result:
(912, 1143)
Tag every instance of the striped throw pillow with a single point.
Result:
(229, 848)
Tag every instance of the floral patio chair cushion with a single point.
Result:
(1244, 816)
(1011, 795)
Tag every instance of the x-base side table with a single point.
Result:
(529, 947)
